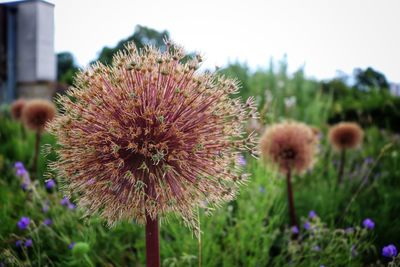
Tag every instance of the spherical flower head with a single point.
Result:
(290, 145)
(157, 135)
(16, 108)
(23, 223)
(37, 113)
(346, 135)
(389, 251)
(50, 184)
(307, 225)
(368, 224)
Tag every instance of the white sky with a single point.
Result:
(323, 35)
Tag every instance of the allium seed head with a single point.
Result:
(346, 135)
(290, 145)
(151, 135)
(16, 108)
(37, 113)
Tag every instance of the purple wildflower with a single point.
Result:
(48, 222)
(91, 181)
(45, 207)
(71, 206)
(241, 160)
(354, 252)
(64, 201)
(307, 225)
(312, 214)
(28, 243)
(19, 165)
(50, 184)
(369, 224)
(23, 223)
(389, 251)
(72, 245)
(316, 248)
(19, 243)
(295, 230)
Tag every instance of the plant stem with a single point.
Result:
(341, 167)
(36, 156)
(152, 242)
(292, 211)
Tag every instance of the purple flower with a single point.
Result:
(28, 243)
(50, 184)
(369, 160)
(91, 181)
(307, 225)
(261, 189)
(295, 230)
(19, 243)
(64, 201)
(316, 248)
(71, 206)
(349, 230)
(312, 214)
(369, 224)
(390, 251)
(354, 252)
(23, 223)
(19, 165)
(45, 207)
(48, 222)
(241, 160)
(72, 245)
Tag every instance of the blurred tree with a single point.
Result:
(368, 78)
(142, 36)
(66, 68)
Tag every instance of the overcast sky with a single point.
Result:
(323, 35)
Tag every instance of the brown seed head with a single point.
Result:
(150, 134)
(16, 108)
(346, 135)
(37, 113)
(290, 145)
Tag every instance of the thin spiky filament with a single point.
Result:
(152, 135)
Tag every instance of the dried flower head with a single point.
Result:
(37, 113)
(346, 135)
(16, 108)
(290, 145)
(151, 135)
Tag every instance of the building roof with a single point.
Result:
(16, 2)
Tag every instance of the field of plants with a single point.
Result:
(348, 221)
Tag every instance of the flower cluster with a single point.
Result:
(21, 172)
(23, 223)
(389, 251)
(155, 135)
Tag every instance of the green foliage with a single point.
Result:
(66, 68)
(142, 36)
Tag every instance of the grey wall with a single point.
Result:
(36, 60)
